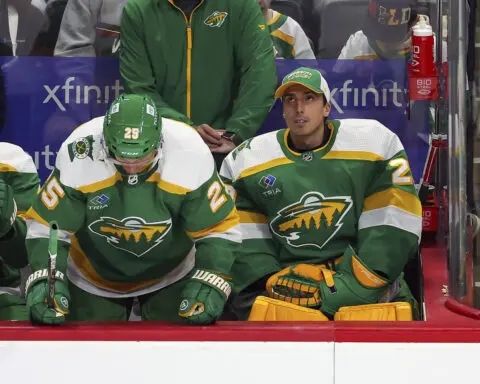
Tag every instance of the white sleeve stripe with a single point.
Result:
(36, 230)
(233, 234)
(255, 231)
(392, 216)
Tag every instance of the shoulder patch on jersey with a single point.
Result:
(84, 143)
(241, 147)
(81, 148)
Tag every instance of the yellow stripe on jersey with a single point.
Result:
(22, 215)
(167, 186)
(97, 186)
(82, 263)
(274, 19)
(229, 222)
(7, 168)
(283, 36)
(396, 197)
(353, 155)
(31, 214)
(252, 218)
(262, 167)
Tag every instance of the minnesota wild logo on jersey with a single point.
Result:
(311, 221)
(216, 19)
(131, 234)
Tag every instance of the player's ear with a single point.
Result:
(327, 109)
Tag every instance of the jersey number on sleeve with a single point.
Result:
(52, 193)
(399, 176)
(216, 197)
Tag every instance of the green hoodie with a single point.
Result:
(216, 67)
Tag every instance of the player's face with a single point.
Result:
(304, 110)
(134, 166)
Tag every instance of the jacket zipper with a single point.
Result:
(189, 56)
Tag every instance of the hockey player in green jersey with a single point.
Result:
(141, 213)
(18, 187)
(329, 214)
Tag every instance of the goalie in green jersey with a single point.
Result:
(141, 213)
(329, 214)
(18, 187)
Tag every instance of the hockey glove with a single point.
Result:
(300, 284)
(204, 297)
(8, 208)
(37, 292)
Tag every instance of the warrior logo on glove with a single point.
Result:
(214, 280)
(204, 297)
(312, 221)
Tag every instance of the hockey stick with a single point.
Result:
(437, 142)
(52, 262)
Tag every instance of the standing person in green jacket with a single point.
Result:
(208, 63)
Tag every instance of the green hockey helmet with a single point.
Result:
(132, 127)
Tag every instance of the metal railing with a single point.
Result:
(462, 224)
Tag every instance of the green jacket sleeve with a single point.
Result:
(255, 61)
(135, 67)
(58, 202)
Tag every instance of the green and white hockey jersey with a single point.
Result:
(127, 236)
(289, 39)
(17, 169)
(309, 207)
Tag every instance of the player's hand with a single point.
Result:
(225, 147)
(37, 299)
(210, 135)
(8, 208)
(204, 297)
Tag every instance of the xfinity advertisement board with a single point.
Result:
(46, 98)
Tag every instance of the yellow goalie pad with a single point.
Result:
(268, 309)
(376, 312)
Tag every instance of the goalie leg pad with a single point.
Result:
(396, 311)
(268, 309)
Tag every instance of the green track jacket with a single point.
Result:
(215, 67)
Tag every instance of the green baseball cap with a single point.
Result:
(309, 78)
